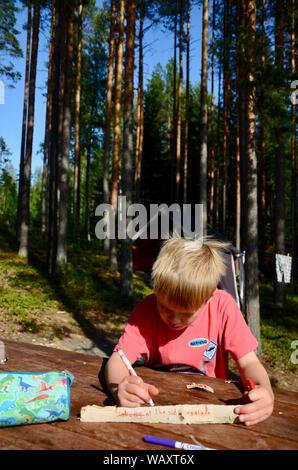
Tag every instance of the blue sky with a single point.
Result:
(159, 48)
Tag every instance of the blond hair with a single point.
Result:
(187, 271)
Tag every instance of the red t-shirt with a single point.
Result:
(201, 347)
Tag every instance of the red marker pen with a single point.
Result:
(249, 384)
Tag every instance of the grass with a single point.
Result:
(279, 327)
(86, 299)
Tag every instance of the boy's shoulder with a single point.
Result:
(221, 294)
(223, 300)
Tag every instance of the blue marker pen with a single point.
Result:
(175, 444)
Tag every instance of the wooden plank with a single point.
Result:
(172, 414)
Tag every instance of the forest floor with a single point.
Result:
(82, 311)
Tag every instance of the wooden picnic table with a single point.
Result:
(280, 431)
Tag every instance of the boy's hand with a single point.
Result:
(133, 392)
(259, 408)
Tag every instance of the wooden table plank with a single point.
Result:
(278, 432)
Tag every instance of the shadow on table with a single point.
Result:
(109, 400)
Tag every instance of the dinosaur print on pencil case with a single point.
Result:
(34, 397)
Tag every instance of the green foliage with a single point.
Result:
(4, 152)
(156, 155)
(8, 194)
(9, 44)
(35, 198)
(92, 117)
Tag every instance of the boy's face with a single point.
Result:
(175, 317)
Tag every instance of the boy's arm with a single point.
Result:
(261, 397)
(126, 389)
(250, 366)
(115, 372)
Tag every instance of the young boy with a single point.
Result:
(188, 324)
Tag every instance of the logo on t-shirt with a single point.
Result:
(197, 342)
(210, 351)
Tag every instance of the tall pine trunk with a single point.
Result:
(212, 123)
(140, 109)
(48, 123)
(279, 217)
(187, 105)
(226, 112)
(87, 191)
(117, 130)
(25, 196)
(218, 150)
(53, 91)
(204, 116)
(262, 143)
(24, 121)
(89, 146)
(77, 156)
(174, 117)
(179, 108)
(251, 255)
(63, 161)
(294, 146)
(241, 111)
(108, 115)
(127, 164)
(240, 129)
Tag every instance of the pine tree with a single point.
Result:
(9, 44)
(26, 173)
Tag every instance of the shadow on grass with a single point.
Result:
(277, 316)
(89, 292)
(71, 305)
(8, 242)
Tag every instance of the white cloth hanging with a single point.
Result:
(283, 266)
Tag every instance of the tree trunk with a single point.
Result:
(238, 183)
(212, 123)
(240, 154)
(24, 122)
(43, 205)
(140, 110)
(48, 124)
(204, 116)
(262, 144)
(179, 108)
(127, 167)
(187, 104)
(59, 148)
(77, 156)
(108, 116)
(117, 130)
(218, 147)
(251, 254)
(64, 161)
(294, 149)
(174, 118)
(25, 202)
(87, 218)
(279, 218)
(241, 108)
(53, 91)
(226, 113)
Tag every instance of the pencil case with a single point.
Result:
(34, 397)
